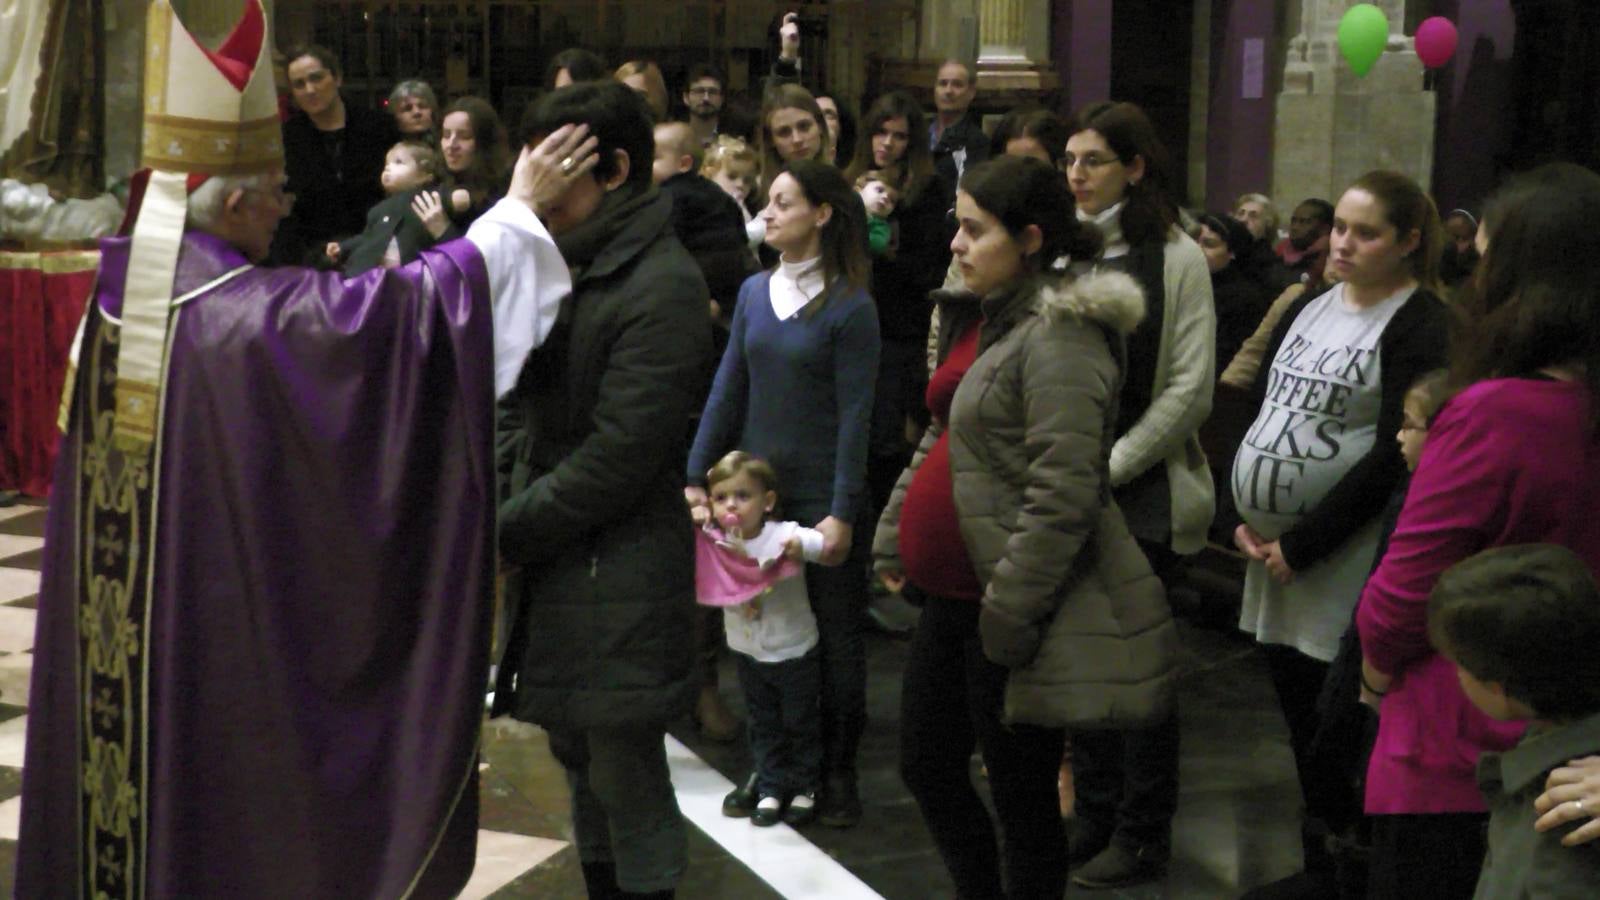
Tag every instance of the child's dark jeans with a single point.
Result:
(785, 722)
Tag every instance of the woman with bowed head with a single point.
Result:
(1314, 471)
(841, 122)
(1041, 612)
(1511, 459)
(473, 142)
(600, 649)
(794, 388)
(415, 109)
(1239, 289)
(1038, 133)
(333, 156)
(1127, 784)
(575, 64)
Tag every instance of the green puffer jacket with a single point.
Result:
(1070, 603)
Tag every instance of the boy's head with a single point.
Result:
(1521, 623)
(742, 489)
(733, 165)
(1422, 401)
(877, 194)
(411, 164)
(678, 151)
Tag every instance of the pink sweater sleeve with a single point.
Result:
(1455, 505)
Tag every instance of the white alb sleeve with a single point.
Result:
(527, 281)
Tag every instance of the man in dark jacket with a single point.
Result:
(601, 645)
(956, 138)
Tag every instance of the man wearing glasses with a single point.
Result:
(702, 94)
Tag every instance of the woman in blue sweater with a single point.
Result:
(795, 388)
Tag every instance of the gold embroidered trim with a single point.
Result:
(181, 144)
(116, 514)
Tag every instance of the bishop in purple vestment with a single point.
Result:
(262, 645)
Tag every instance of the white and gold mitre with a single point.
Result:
(209, 112)
(206, 113)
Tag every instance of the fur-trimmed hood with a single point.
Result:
(1111, 298)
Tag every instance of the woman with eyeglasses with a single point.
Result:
(1127, 782)
(333, 154)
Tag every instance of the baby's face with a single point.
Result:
(734, 186)
(740, 504)
(401, 172)
(878, 199)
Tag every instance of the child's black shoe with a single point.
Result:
(741, 801)
(768, 812)
(801, 810)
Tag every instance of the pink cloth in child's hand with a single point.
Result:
(724, 576)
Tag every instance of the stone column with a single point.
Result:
(1332, 126)
(1014, 45)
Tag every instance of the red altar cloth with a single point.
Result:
(42, 296)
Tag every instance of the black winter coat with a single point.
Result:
(594, 439)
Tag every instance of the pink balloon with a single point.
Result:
(1436, 41)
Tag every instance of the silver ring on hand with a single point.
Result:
(1578, 804)
(567, 165)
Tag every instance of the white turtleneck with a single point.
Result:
(1109, 221)
(795, 284)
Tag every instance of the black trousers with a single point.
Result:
(951, 703)
(1437, 856)
(1126, 782)
(785, 722)
(838, 597)
(1328, 785)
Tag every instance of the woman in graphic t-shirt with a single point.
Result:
(1316, 467)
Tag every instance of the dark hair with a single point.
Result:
(1528, 617)
(844, 235)
(1536, 300)
(581, 64)
(1232, 231)
(1409, 208)
(844, 150)
(1324, 209)
(617, 117)
(1022, 191)
(317, 52)
(1044, 126)
(1150, 212)
(916, 167)
(491, 157)
(781, 97)
(703, 70)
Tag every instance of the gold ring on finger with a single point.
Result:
(567, 165)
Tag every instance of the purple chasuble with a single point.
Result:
(261, 653)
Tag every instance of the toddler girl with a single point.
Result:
(751, 567)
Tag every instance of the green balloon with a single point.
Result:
(1363, 32)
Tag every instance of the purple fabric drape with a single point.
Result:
(319, 624)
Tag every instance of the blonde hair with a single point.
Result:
(727, 153)
(1270, 216)
(680, 139)
(739, 463)
(655, 86)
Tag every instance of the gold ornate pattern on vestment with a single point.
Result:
(179, 144)
(116, 512)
